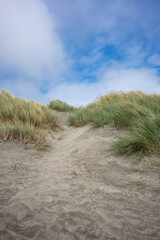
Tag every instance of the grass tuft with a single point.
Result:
(80, 118)
(24, 120)
(61, 106)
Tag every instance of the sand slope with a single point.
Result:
(77, 190)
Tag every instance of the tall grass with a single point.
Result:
(81, 116)
(25, 120)
(61, 106)
(136, 112)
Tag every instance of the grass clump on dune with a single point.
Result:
(81, 116)
(144, 138)
(61, 106)
(136, 112)
(24, 120)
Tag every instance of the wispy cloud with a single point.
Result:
(154, 60)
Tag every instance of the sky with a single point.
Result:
(79, 50)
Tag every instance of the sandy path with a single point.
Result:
(77, 190)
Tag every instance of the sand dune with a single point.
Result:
(77, 190)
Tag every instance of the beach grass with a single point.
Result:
(61, 106)
(24, 120)
(136, 112)
(81, 116)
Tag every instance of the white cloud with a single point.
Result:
(82, 93)
(29, 44)
(145, 80)
(76, 94)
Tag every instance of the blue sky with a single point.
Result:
(78, 50)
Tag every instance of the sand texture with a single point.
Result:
(77, 190)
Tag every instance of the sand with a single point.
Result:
(77, 190)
